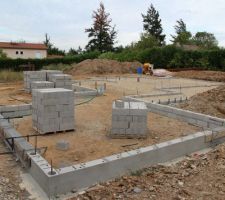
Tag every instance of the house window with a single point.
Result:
(17, 52)
(21, 52)
(38, 55)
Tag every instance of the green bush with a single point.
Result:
(8, 75)
(173, 57)
(14, 64)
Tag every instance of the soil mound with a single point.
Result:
(202, 75)
(211, 102)
(104, 66)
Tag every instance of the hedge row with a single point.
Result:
(173, 57)
(164, 57)
(14, 64)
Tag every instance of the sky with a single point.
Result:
(66, 20)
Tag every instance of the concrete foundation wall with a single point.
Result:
(21, 146)
(86, 174)
(77, 88)
(187, 116)
(14, 111)
(89, 173)
(190, 117)
(81, 91)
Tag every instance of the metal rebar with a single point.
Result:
(51, 168)
(35, 147)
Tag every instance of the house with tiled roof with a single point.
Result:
(24, 50)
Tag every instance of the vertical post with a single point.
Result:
(96, 84)
(35, 146)
(104, 86)
(13, 143)
(79, 83)
(51, 168)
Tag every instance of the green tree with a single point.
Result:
(182, 35)
(72, 52)
(47, 41)
(80, 50)
(205, 40)
(51, 49)
(2, 54)
(152, 24)
(102, 35)
(147, 41)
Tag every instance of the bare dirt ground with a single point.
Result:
(202, 75)
(10, 178)
(12, 94)
(211, 102)
(199, 177)
(103, 66)
(93, 122)
(90, 141)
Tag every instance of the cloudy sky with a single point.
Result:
(65, 20)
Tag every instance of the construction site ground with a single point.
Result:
(90, 140)
(199, 177)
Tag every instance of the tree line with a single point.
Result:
(102, 35)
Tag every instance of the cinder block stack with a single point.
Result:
(51, 72)
(129, 120)
(41, 84)
(61, 81)
(53, 110)
(31, 76)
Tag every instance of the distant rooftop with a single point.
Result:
(23, 45)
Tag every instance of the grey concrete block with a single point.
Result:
(119, 104)
(63, 145)
(53, 110)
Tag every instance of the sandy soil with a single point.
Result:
(13, 93)
(90, 140)
(93, 122)
(10, 177)
(211, 102)
(198, 177)
(103, 66)
(202, 75)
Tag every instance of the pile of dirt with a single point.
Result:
(200, 176)
(202, 75)
(211, 102)
(104, 66)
